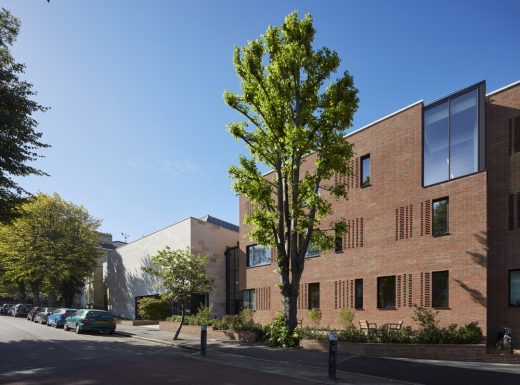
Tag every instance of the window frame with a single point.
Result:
(361, 159)
(379, 307)
(309, 298)
(447, 232)
(509, 288)
(248, 247)
(247, 293)
(447, 289)
(358, 305)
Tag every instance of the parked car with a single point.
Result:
(91, 320)
(32, 312)
(41, 316)
(21, 310)
(6, 308)
(57, 319)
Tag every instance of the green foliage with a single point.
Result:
(277, 334)
(345, 318)
(52, 247)
(154, 308)
(425, 317)
(18, 139)
(292, 107)
(314, 316)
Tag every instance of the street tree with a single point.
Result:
(296, 111)
(19, 142)
(182, 274)
(52, 247)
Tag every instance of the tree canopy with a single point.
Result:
(51, 248)
(182, 274)
(19, 141)
(295, 118)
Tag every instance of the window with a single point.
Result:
(250, 299)
(312, 251)
(365, 171)
(386, 292)
(338, 245)
(451, 132)
(514, 288)
(314, 296)
(440, 212)
(258, 255)
(359, 294)
(440, 289)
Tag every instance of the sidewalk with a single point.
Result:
(308, 366)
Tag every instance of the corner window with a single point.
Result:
(312, 251)
(451, 132)
(440, 212)
(314, 296)
(440, 289)
(358, 283)
(249, 297)
(386, 292)
(365, 171)
(514, 288)
(258, 255)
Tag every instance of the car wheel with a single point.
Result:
(65, 326)
(55, 325)
(41, 321)
(78, 330)
(111, 331)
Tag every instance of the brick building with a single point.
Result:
(434, 215)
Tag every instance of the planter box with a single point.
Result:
(223, 335)
(139, 322)
(455, 352)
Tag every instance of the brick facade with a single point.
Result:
(390, 230)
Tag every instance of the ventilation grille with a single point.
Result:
(426, 289)
(251, 207)
(303, 297)
(511, 212)
(425, 218)
(404, 222)
(263, 298)
(516, 141)
(404, 290)
(343, 296)
(355, 236)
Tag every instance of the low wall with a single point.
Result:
(139, 322)
(455, 352)
(223, 335)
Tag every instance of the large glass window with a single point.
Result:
(451, 138)
(314, 295)
(386, 292)
(440, 289)
(258, 255)
(249, 299)
(312, 250)
(440, 213)
(359, 294)
(365, 171)
(514, 288)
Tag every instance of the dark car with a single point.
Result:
(57, 319)
(6, 308)
(41, 317)
(91, 320)
(21, 310)
(32, 312)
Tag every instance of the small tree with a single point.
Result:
(183, 274)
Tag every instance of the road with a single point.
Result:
(36, 354)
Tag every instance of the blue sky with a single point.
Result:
(137, 120)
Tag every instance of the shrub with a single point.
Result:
(153, 308)
(314, 316)
(345, 318)
(314, 334)
(276, 334)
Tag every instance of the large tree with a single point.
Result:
(52, 247)
(182, 274)
(295, 120)
(19, 141)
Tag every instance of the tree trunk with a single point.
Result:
(290, 309)
(52, 298)
(183, 313)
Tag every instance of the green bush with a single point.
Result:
(276, 334)
(314, 316)
(345, 318)
(314, 334)
(151, 308)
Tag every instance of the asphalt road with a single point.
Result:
(35, 354)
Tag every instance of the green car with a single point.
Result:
(90, 319)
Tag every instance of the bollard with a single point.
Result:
(333, 349)
(203, 339)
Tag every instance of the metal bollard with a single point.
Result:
(203, 339)
(333, 356)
